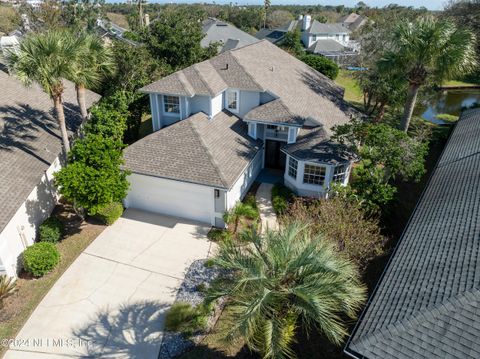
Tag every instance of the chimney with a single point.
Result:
(300, 17)
(307, 19)
(147, 20)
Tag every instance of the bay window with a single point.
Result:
(292, 167)
(340, 172)
(314, 174)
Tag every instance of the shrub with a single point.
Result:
(109, 213)
(7, 287)
(184, 318)
(343, 222)
(322, 65)
(281, 197)
(217, 235)
(51, 230)
(40, 258)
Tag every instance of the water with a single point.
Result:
(449, 102)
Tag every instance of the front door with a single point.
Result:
(274, 158)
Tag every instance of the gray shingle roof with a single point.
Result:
(326, 46)
(260, 67)
(198, 150)
(427, 304)
(228, 35)
(274, 112)
(321, 28)
(29, 138)
(313, 144)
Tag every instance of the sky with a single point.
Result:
(429, 4)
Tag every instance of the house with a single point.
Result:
(329, 40)
(228, 36)
(218, 123)
(313, 31)
(353, 21)
(427, 303)
(30, 145)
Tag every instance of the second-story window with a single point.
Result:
(171, 104)
(232, 100)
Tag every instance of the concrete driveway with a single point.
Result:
(111, 301)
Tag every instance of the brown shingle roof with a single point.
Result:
(29, 138)
(198, 150)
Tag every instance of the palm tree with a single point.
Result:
(425, 49)
(284, 279)
(92, 63)
(45, 59)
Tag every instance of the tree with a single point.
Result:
(93, 62)
(380, 89)
(282, 280)
(322, 65)
(292, 43)
(266, 6)
(93, 178)
(45, 59)
(278, 18)
(385, 153)
(174, 38)
(427, 49)
(467, 13)
(109, 117)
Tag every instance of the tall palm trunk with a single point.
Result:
(81, 100)
(409, 106)
(57, 100)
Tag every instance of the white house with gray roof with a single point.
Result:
(30, 148)
(218, 123)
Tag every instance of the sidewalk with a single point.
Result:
(264, 203)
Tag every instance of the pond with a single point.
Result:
(448, 102)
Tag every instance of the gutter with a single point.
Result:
(347, 350)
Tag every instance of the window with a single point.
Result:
(339, 173)
(292, 167)
(171, 104)
(232, 100)
(314, 174)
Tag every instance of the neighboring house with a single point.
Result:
(329, 40)
(30, 144)
(228, 36)
(427, 303)
(218, 123)
(353, 21)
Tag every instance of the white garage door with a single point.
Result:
(171, 198)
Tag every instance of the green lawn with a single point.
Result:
(353, 93)
(19, 306)
(457, 83)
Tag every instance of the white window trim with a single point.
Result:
(344, 173)
(315, 165)
(237, 92)
(173, 114)
(290, 158)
